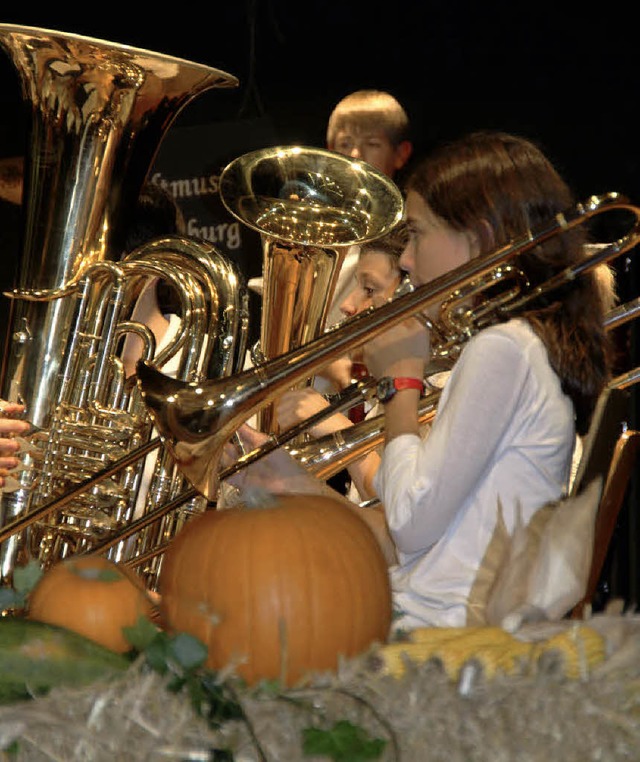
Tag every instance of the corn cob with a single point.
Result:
(495, 650)
(579, 648)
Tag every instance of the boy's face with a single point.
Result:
(376, 279)
(373, 147)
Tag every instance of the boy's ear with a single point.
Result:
(403, 152)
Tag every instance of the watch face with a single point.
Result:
(385, 389)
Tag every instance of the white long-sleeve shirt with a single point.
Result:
(504, 432)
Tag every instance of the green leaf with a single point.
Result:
(141, 634)
(158, 653)
(187, 651)
(345, 742)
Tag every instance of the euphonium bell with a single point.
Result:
(309, 205)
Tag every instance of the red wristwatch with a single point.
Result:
(388, 386)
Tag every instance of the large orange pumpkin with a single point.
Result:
(92, 596)
(277, 590)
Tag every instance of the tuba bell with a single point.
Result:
(309, 205)
(99, 111)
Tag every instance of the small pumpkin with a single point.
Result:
(93, 596)
(277, 590)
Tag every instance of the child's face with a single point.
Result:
(373, 147)
(434, 247)
(377, 277)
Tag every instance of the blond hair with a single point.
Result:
(366, 110)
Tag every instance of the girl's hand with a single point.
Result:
(297, 405)
(338, 373)
(403, 350)
(276, 472)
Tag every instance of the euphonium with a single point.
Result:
(99, 111)
(309, 205)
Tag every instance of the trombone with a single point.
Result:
(196, 419)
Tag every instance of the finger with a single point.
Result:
(10, 408)
(14, 426)
(251, 437)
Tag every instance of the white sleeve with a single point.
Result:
(424, 482)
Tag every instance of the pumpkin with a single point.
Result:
(92, 596)
(278, 590)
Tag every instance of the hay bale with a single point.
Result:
(535, 716)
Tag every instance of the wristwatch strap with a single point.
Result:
(402, 382)
(387, 386)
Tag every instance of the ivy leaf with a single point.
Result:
(187, 651)
(141, 634)
(24, 580)
(158, 653)
(345, 742)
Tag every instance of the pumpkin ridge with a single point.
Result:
(367, 548)
(354, 593)
(319, 618)
(309, 591)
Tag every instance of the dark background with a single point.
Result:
(562, 74)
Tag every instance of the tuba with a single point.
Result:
(309, 205)
(99, 112)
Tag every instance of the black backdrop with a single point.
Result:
(560, 73)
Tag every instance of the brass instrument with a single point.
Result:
(99, 415)
(338, 201)
(197, 419)
(99, 111)
(327, 455)
(309, 205)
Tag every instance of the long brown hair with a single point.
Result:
(502, 187)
